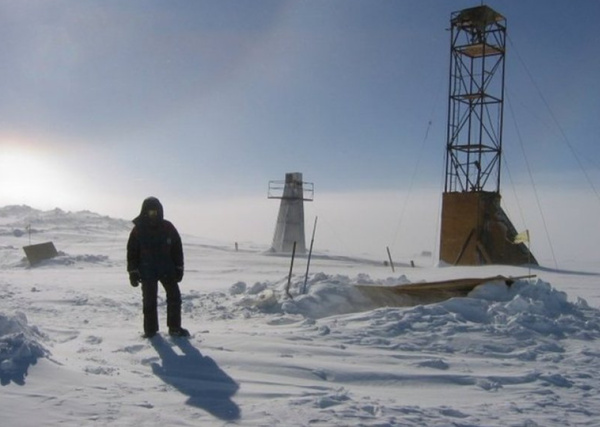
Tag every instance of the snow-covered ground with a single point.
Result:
(72, 352)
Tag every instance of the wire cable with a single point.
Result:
(565, 139)
(535, 192)
(418, 163)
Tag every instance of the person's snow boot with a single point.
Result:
(179, 332)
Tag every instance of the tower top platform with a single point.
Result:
(476, 18)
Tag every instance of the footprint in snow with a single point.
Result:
(132, 349)
(93, 340)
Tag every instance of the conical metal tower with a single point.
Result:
(289, 231)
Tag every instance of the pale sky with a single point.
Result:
(202, 103)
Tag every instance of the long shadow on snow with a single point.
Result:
(197, 376)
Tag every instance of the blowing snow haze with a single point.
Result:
(202, 103)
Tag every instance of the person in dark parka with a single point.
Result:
(155, 254)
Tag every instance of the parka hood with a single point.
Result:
(149, 204)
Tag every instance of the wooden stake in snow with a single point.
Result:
(287, 288)
(312, 241)
(390, 258)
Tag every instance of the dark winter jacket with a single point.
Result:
(154, 248)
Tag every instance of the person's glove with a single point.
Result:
(134, 278)
(179, 274)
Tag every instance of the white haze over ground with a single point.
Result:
(72, 354)
(563, 225)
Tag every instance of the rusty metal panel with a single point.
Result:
(476, 231)
(40, 252)
(460, 219)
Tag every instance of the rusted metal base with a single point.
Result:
(477, 231)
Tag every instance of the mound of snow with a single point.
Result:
(526, 321)
(19, 347)
(78, 232)
(19, 220)
(67, 259)
(327, 295)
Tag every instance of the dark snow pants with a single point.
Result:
(150, 295)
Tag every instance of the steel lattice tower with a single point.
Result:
(476, 99)
(475, 230)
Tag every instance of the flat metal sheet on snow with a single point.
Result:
(427, 292)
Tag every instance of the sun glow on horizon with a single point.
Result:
(30, 175)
